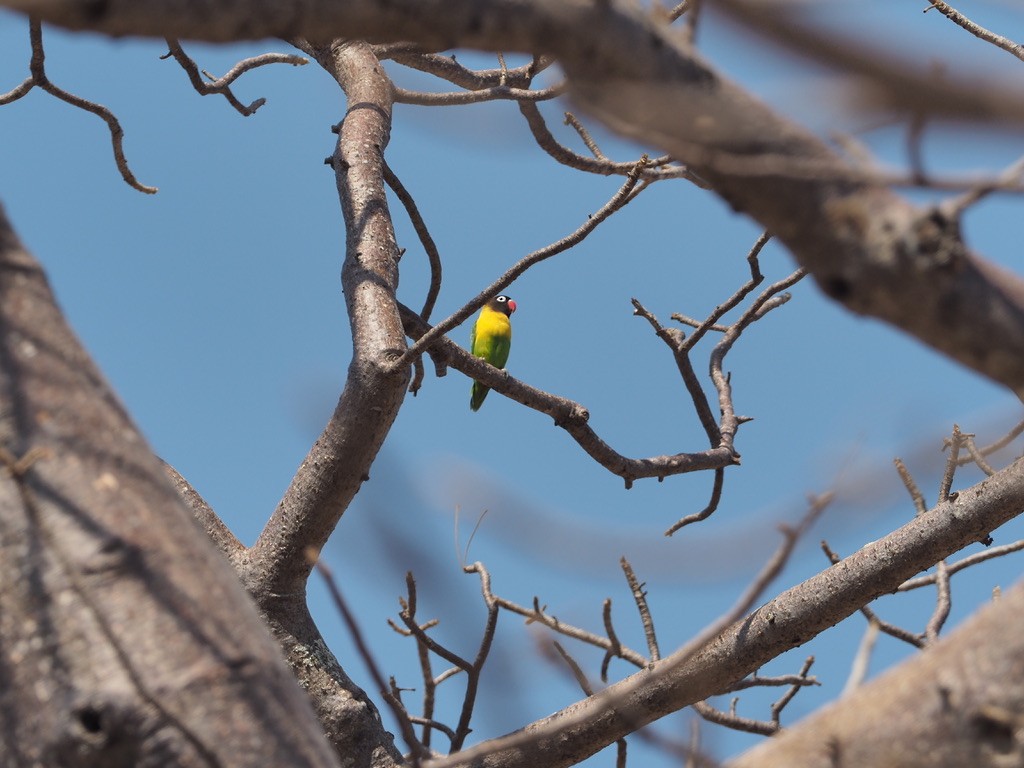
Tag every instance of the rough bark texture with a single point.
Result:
(125, 638)
(275, 569)
(339, 462)
(865, 246)
(785, 622)
(959, 703)
(110, 655)
(277, 566)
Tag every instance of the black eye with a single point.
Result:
(502, 299)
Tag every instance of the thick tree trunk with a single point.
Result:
(125, 638)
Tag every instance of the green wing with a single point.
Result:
(494, 349)
(491, 341)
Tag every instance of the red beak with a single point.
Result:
(511, 306)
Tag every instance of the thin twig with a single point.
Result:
(614, 649)
(908, 481)
(617, 201)
(222, 85)
(729, 421)
(704, 514)
(756, 278)
(539, 615)
(1010, 177)
(722, 348)
(693, 322)
(733, 721)
(658, 168)
(959, 565)
(862, 660)
(428, 724)
(472, 669)
(462, 730)
(720, 434)
(433, 255)
(788, 696)
(584, 134)
(416, 749)
(675, 340)
(430, 683)
(1015, 49)
(640, 598)
(691, 8)
(1001, 443)
(408, 614)
(39, 79)
(953, 443)
(574, 667)
(943, 597)
(943, 603)
(495, 93)
(448, 68)
(976, 454)
(756, 681)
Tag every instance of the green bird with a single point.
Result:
(491, 340)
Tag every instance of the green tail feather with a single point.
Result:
(477, 398)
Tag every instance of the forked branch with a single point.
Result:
(39, 79)
(222, 85)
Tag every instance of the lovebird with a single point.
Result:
(491, 340)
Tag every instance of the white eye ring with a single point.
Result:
(502, 298)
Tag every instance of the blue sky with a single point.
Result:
(215, 309)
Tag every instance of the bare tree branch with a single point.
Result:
(433, 257)
(920, 506)
(659, 168)
(569, 415)
(967, 562)
(339, 462)
(915, 639)
(496, 93)
(703, 668)
(953, 705)
(618, 200)
(405, 724)
(640, 598)
(39, 79)
(222, 85)
(861, 661)
(1015, 49)
(866, 247)
(733, 721)
(218, 532)
(449, 69)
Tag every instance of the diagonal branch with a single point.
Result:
(622, 197)
(951, 13)
(868, 248)
(339, 461)
(569, 415)
(704, 668)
